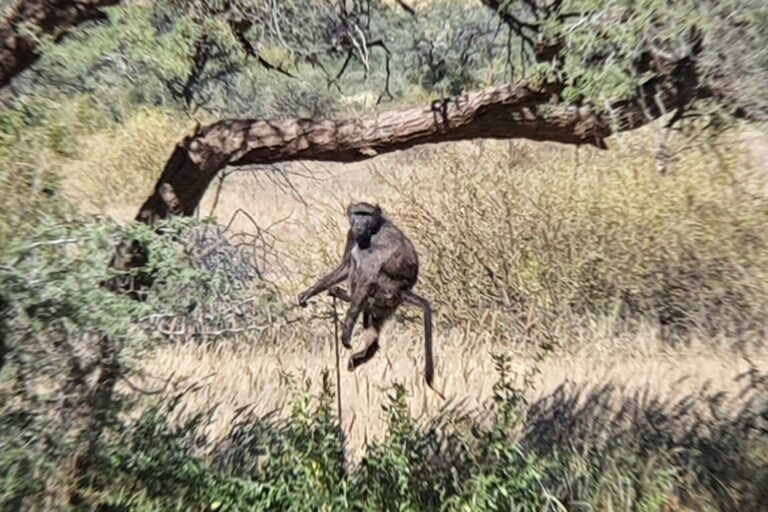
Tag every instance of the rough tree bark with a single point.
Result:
(28, 19)
(512, 111)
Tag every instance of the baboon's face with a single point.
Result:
(364, 220)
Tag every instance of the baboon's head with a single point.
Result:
(364, 220)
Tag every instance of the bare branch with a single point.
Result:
(410, 10)
(239, 29)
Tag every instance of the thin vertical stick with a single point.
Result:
(338, 360)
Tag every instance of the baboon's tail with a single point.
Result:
(429, 363)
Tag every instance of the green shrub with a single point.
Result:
(411, 469)
(67, 339)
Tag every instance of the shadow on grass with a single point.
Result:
(716, 444)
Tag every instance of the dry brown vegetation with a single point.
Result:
(249, 376)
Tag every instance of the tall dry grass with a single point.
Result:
(237, 377)
(115, 168)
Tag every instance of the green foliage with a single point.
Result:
(451, 48)
(28, 189)
(190, 54)
(169, 60)
(507, 476)
(55, 275)
(161, 461)
(53, 284)
(405, 471)
(293, 465)
(187, 55)
(147, 458)
(60, 325)
(608, 48)
(23, 469)
(304, 468)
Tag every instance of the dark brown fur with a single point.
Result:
(382, 267)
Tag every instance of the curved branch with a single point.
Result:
(507, 112)
(517, 24)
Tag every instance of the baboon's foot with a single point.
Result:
(346, 334)
(346, 339)
(363, 356)
(339, 293)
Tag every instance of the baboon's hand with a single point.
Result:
(303, 299)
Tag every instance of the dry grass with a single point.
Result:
(592, 353)
(601, 232)
(250, 375)
(114, 170)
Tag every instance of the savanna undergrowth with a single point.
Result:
(506, 459)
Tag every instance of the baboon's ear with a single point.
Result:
(377, 208)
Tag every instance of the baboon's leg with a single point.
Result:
(359, 301)
(429, 364)
(372, 333)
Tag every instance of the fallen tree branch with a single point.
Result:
(512, 111)
(502, 112)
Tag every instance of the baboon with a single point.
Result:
(382, 266)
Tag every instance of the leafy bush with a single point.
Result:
(67, 339)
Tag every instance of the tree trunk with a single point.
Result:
(506, 112)
(53, 18)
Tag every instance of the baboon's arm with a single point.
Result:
(429, 364)
(336, 276)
